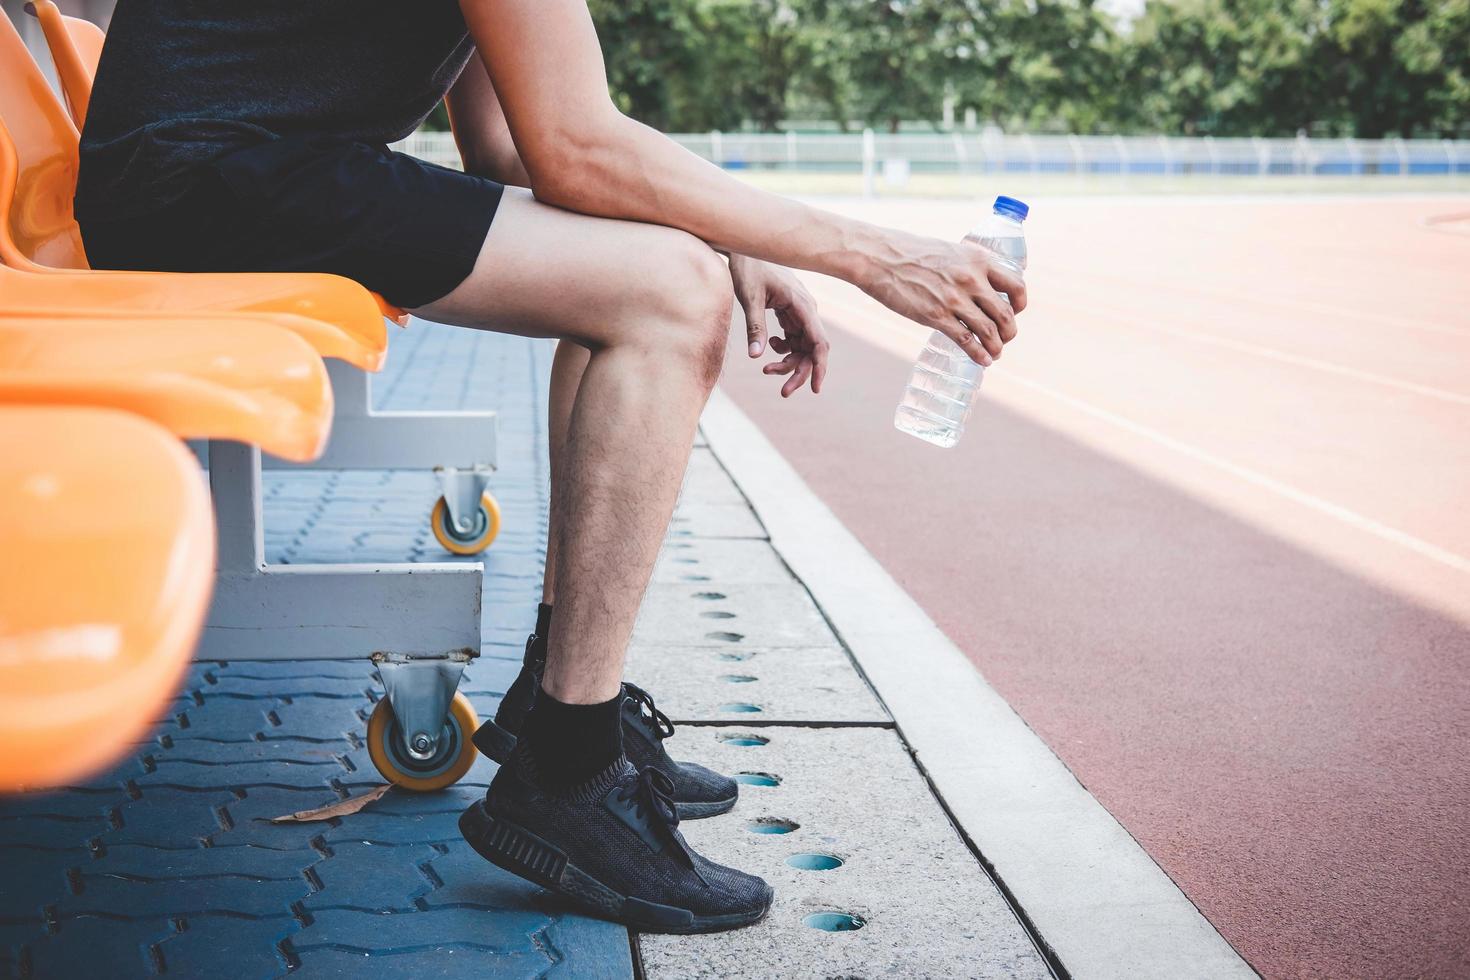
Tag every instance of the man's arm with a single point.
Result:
(582, 154)
(488, 150)
(480, 132)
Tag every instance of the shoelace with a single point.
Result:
(652, 796)
(656, 720)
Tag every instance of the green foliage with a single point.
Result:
(700, 64)
(1224, 67)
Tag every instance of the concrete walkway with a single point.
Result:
(167, 865)
(833, 811)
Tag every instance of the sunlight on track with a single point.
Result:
(1344, 410)
(884, 330)
(1259, 350)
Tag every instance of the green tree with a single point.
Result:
(893, 60)
(649, 51)
(1223, 67)
(1039, 63)
(1400, 66)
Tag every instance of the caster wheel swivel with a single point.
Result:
(451, 758)
(479, 529)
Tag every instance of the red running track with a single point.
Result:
(1209, 533)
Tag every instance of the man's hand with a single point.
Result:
(951, 287)
(760, 286)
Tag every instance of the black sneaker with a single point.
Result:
(499, 736)
(698, 792)
(611, 845)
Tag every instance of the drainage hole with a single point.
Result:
(717, 614)
(732, 739)
(771, 825)
(737, 678)
(709, 595)
(814, 862)
(740, 707)
(727, 637)
(758, 779)
(733, 657)
(835, 921)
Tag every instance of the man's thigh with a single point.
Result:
(546, 272)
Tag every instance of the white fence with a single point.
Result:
(962, 153)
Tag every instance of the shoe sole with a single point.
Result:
(522, 853)
(497, 743)
(698, 811)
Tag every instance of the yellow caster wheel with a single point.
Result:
(451, 760)
(484, 525)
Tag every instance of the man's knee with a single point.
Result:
(695, 298)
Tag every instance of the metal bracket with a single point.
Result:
(283, 612)
(364, 438)
(419, 690)
(462, 488)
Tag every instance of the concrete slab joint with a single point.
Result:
(1097, 902)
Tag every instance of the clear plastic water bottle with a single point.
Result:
(942, 388)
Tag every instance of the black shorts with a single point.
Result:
(405, 229)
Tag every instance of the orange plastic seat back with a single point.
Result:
(76, 47)
(106, 565)
(39, 229)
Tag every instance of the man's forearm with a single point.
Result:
(630, 171)
(498, 163)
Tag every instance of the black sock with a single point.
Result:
(571, 743)
(543, 620)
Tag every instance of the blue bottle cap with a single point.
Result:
(1010, 206)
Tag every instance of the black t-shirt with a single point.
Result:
(182, 82)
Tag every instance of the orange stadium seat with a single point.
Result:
(234, 378)
(147, 298)
(76, 47)
(233, 358)
(91, 651)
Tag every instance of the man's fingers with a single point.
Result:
(820, 348)
(1000, 318)
(780, 345)
(1010, 284)
(785, 365)
(794, 383)
(819, 365)
(968, 330)
(755, 324)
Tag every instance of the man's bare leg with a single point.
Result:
(567, 368)
(651, 305)
(697, 790)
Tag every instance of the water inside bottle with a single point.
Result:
(937, 401)
(941, 390)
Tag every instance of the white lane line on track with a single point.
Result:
(1449, 224)
(1255, 296)
(1272, 353)
(1350, 517)
(893, 341)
